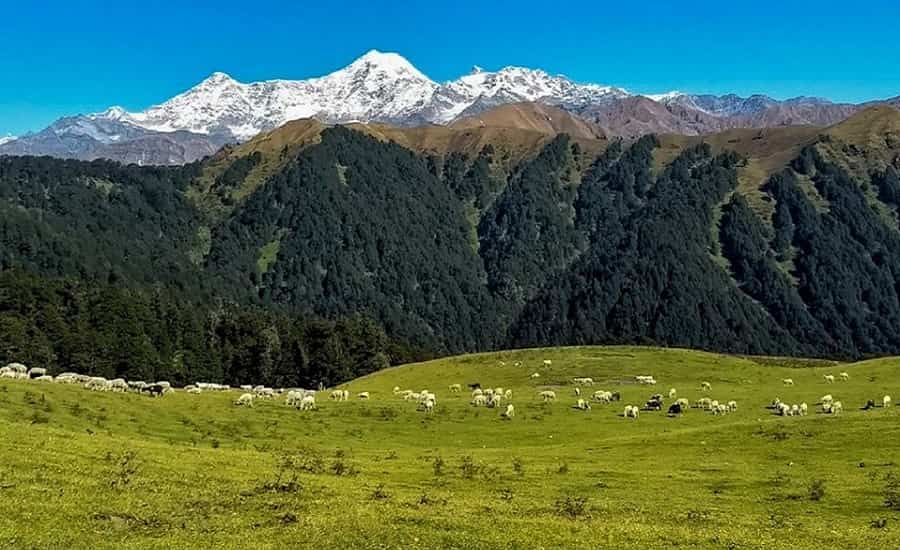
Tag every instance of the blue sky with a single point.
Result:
(65, 57)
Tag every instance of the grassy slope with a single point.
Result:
(204, 473)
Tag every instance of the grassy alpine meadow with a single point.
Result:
(82, 469)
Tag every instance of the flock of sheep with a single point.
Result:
(425, 400)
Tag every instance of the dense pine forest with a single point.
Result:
(357, 253)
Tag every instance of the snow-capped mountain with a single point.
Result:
(7, 139)
(385, 87)
(377, 87)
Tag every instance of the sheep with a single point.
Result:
(154, 390)
(345, 397)
(336, 395)
(704, 403)
(426, 405)
(673, 393)
(804, 408)
(676, 409)
(494, 401)
(194, 390)
(721, 409)
(97, 383)
(631, 411)
(783, 409)
(118, 385)
(886, 401)
(510, 411)
(826, 399)
(795, 410)
(645, 379)
(308, 403)
(396, 390)
(684, 403)
(547, 395)
(44, 378)
(362, 395)
(655, 403)
(732, 406)
(577, 391)
(787, 381)
(245, 400)
(489, 392)
(479, 400)
(844, 376)
(293, 398)
(535, 375)
(870, 404)
(837, 407)
(584, 381)
(8, 373)
(705, 386)
(476, 392)
(582, 405)
(507, 394)
(829, 378)
(34, 372)
(455, 388)
(498, 390)
(547, 362)
(246, 387)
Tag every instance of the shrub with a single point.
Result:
(892, 491)
(817, 490)
(438, 466)
(468, 467)
(571, 507)
(379, 493)
(518, 466)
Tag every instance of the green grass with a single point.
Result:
(267, 255)
(90, 470)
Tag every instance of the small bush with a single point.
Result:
(125, 468)
(518, 466)
(892, 491)
(563, 468)
(468, 467)
(817, 490)
(342, 468)
(438, 466)
(38, 418)
(506, 494)
(878, 523)
(571, 507)
(379, 493)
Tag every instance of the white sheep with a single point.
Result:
(362, 395)
(547, 362)
(804, 408)
(336, 395)
(427, 405)
(118, 385)
(673, 393)
(44, 378)
(783, 409)
(194, 390)
(582, 405)
(308, 403)
(829, 378)
(245, 400)
(293, 398)
(396, 390)
(886, 401)
(631, 411)
(510, 411)
(787, 381)
(577, 391)
(476, 392)
(507, 394)
(795, 410)
(455, 388)
(602, 396)
(705, 386)
(732, 406)
(844, 376)
(535, 375)
(479, 400)
(826, 399)
(837, 407)
(547, 395)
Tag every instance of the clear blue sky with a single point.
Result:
(64, 57)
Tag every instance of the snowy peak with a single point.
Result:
(7, 139)
(391, 65)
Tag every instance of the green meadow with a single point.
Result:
(81, 469)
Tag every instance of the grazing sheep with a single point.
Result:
(829, 378)
(455, 388)
(795, 410)
(479, 400)
(8, 373)
(547, 362)
(631, 411)
(44, 378)
(645, 379)
(293, 398)
(705, 386)
(837, 407)
(245, 400)
(582, 405)
(783, 409)
(35, 372)
(844, 376)
(535, 375)
(97, 383)
(685, 404)
(507, 394)
(584, 381)
(577, 391)
(362, 395)
(118, 385)
(510, 411)
(193, 390)
(676, 409)
(336, 395)
(308, 403)
(787, 381)
(721, 409)
(804, 408)
(477, 391)
(547, 395)
(427, 405)
(732, 406)
(655, 403)
(886, 401)
(704, 403)
(494, 401)
(870, 404)
(246, 387)
(673, 393)
(154, 390)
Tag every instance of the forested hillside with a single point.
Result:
(480, 240)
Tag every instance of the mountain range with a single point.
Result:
(385, 88)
